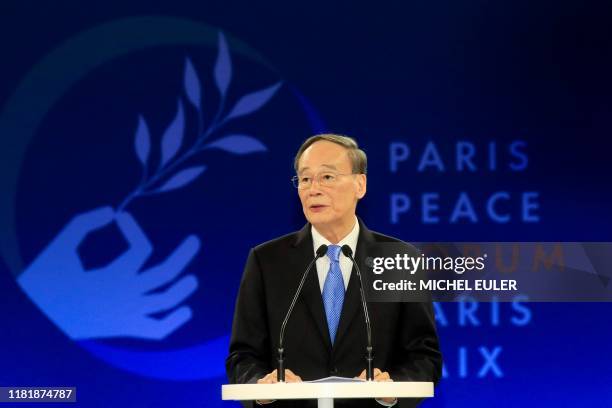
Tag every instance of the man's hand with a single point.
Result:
(271, 378)
(381, 376)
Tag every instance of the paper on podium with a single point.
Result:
(336, 380)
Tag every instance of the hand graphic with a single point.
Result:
(111, 301)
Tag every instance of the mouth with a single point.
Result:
(317, 207)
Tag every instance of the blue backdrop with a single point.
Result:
(482, 122)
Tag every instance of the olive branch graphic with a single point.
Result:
(168, 175)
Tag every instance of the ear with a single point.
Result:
(362, 183)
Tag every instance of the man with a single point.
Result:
(325, 334)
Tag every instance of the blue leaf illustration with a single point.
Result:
(181, 178)
(238, 144)
(142, 141)
(192, 84)
(253, 101)
(223, 66)
(173, 136)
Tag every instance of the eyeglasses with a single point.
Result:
(325, 179)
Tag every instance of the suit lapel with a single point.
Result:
(311, 293)
(352, 298)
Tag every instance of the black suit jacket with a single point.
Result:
(403, 334)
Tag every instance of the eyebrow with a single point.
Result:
(329, 166)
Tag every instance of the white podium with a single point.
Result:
(325, 392)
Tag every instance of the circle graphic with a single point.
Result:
(95, 305)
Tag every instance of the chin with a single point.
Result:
(317, 218)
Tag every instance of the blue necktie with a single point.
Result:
(333, 291)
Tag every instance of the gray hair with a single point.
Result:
(358, 158)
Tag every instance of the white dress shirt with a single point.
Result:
(346, 266)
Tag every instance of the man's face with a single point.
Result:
(328, 206)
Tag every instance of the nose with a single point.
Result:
(314, 189)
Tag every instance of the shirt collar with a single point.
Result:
(350, 239)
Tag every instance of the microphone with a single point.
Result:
(280, 374)
(348, 252)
